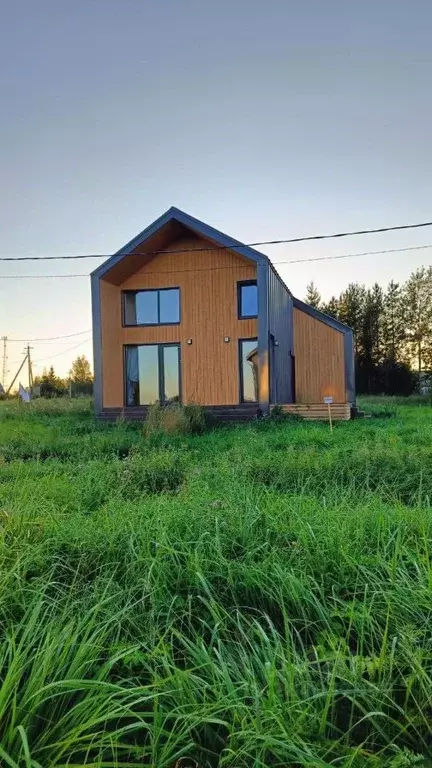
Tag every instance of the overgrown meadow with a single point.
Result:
(260, 595)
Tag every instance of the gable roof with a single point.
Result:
(176, 215)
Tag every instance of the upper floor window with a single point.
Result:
(152, 307)
(247, 298)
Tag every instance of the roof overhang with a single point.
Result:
(318, 315)
(155, 238)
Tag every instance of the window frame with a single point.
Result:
(241, 377)
(150, 290)
(240, 285)
(161, 370)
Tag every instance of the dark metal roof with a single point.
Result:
(318, 315)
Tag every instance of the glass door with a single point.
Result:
(170, 373)
(248, 354)
(152, 373)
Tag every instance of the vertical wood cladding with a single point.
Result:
(319, 360)
(208, 304)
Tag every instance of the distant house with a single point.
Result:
(186, 313)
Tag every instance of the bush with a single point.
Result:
(278, 414)
(175, 419)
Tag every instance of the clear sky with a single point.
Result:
(265, 119)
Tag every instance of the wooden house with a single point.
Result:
(186, 313)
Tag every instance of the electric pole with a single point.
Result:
(29, 363)
(4, 367)
(17, 374)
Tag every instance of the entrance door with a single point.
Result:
(152, 373)
(248, 360)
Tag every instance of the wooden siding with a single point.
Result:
(319, 411)
(208, 297)
(319, 360)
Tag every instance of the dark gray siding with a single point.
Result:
(97, 344)
(280, 313)
(263, 337)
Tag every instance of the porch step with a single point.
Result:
(232, 413)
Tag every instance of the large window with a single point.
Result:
(158, 307)
(247, 298)
(248, 354)
(152, 373)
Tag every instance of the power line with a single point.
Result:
(246, 266)
(52, 338)
(37, 277)
(63, 352)
(353, 255)
(228, 247)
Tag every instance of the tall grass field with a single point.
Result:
(259, 595)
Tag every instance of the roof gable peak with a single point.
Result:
(197, 226)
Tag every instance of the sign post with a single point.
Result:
(328, 401)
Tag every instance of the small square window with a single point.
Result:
(247, 296)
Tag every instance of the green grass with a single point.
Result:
(256, 596)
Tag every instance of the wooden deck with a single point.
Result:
(319, 411)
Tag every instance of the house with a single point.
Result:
(186, 313)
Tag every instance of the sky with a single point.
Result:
(267, 120)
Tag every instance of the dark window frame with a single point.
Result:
(150, 290)
(240, 285)
(161, 370)
(241, 378)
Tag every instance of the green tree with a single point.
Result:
(369, 342)
(331, 308)
(313, 296)
(80, 373)
(417, 297)
(50, 384)
(393, 323)
(351, 310)
(371, 330)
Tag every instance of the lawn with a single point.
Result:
(260, 595)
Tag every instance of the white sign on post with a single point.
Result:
(328, 401)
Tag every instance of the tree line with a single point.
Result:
(79, 381)
(392, 331)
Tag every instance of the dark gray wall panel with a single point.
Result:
(263, 337)
(97, 343)
(281, 327)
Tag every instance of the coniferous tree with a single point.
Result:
(313, 296)
(393, 323)
(417, 297)
(332, 307)
(369, 340)
(351, 310)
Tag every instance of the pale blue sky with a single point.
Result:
(267, 120)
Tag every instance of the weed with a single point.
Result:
(254, 595)
(175, 419)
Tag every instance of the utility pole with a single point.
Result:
(17, 374)
(4, 367)
(30, 370)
